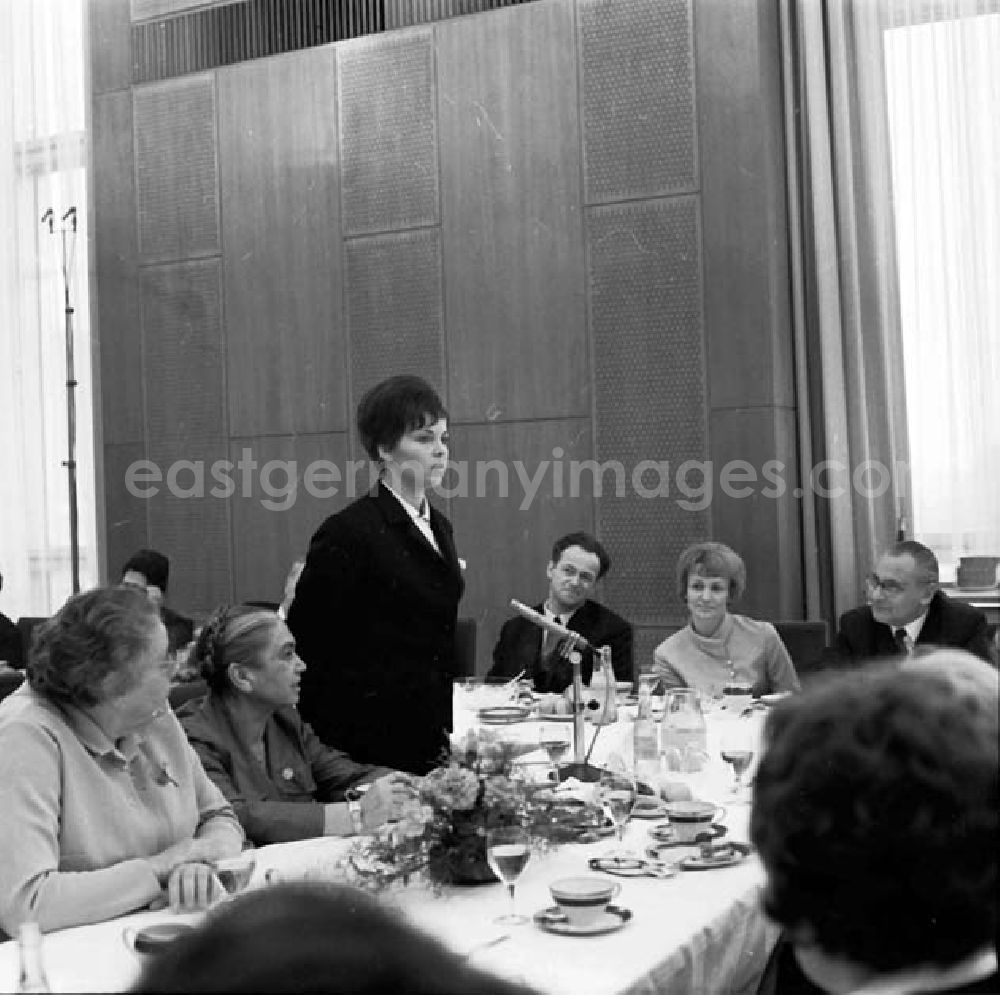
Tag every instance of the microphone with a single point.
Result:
(554, 627)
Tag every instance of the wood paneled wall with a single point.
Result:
(567, 215)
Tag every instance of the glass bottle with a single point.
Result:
(685, 742)
(645, 740)
(32, 976)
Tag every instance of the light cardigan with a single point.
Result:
(78, 813)
(756, 651)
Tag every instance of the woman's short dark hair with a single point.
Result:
(712, 559)
(232, 634)
(394, 407)
(94, 635)
(586, 542)
(154, 566)
(313, 938)
(875, 814)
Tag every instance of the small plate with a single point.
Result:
(664, 834)
(503, 715)
(726, 855)
(554, 718)
(552, 920)
(631, 867)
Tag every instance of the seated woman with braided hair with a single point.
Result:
(282, 781)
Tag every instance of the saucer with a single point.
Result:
(554, 718)
(552, 920)
(664, 834)
(729, 854)
(631, 867)
(502, 715)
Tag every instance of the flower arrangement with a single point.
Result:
(442, 834)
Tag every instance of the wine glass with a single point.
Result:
(555, 741)
(508, 850)
(234, 873)
(737, 748)
(617, 791)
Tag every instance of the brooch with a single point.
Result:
(288, 773)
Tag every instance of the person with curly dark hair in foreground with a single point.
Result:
(320, 938)
(875, 814)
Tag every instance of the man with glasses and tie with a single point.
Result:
(578, 562)
(906, 611)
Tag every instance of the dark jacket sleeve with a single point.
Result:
(505, 662)
(333, 770)
(979, 641)
(620, 641)
(264, 821)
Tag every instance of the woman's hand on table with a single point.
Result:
(387, 799)
(192, 887)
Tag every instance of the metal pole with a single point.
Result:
(69, 223)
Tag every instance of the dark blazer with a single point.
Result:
(283, 800)
(520, 646)
(374, 620)
(948, 623)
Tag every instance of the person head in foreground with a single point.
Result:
(96, 772)
(149, 570)
(875, 815)
(248, 659)
(317, 938)
(403, 427)
(718, 648)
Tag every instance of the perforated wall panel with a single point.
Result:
(394, 313)
(176, 170)
(644, 269)
(183, 367)
(388, 133)
(127, 514)
(637, 72)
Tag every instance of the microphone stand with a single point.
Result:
(69, 224)
(580, 768)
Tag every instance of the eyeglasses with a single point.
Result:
(584, 576)
(890, 587)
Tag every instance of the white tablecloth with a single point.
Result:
(700, 932)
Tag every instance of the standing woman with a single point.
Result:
(375, 608)
(718, 647)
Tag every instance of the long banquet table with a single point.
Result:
(698, 932)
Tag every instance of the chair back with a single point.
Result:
(465, 648)
(805, 642)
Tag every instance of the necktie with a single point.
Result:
(899, 638)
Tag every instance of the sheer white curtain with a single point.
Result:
(42, 166)
(943, 95)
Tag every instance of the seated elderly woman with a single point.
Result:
(718, 647)
(104, 806)
(282, 781)
(875, 814)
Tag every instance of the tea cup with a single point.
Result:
(583, 899)
(691, 817)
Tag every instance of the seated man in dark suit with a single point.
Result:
(578, 562)
(906, 610)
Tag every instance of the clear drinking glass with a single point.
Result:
(508, 850)
(554, 739)
(737, 746)
(617, 791)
